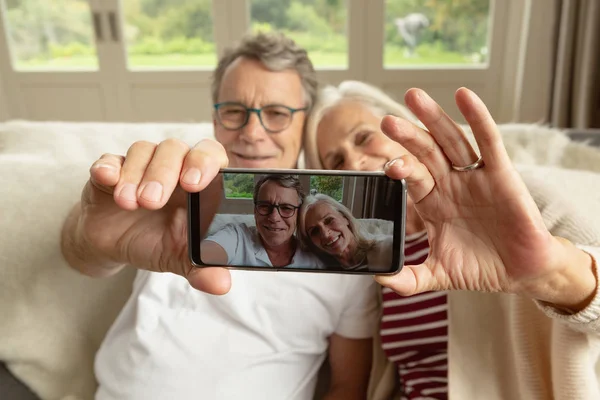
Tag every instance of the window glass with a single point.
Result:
(169, 33)
(319, 26)
(332, 186)
(436, 32)
(50, 35)
(238, 186)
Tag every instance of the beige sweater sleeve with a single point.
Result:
(588, 319)
(570, 211)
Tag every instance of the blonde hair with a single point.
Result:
(378, 102)
(364, 244)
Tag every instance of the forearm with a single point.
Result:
(79, 254)
(350, 361)
(341, 393)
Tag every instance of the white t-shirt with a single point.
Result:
(243, 247)
(265, 339)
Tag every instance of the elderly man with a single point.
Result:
(267, 337)
(272, 241)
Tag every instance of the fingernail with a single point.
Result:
(152, 192)
(128, 192)
(105, 166)
(192, 176)
(396, 161)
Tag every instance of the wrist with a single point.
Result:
(79, 254)
(572, 286)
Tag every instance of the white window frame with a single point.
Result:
(515, 86)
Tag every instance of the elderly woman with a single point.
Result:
(328, 228)
(473, 226)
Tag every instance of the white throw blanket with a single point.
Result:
(52, 319)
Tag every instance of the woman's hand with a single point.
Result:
(485, 230)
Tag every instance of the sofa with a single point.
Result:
(52, 319)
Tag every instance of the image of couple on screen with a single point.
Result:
(292, 230)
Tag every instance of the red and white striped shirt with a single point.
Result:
(414, 333)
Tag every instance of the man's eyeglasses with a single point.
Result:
(266, 208)
(274, 118)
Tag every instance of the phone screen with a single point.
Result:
(328, 221)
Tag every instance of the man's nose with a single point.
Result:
(274, 215)
(253, 131)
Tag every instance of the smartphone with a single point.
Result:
(302, 221)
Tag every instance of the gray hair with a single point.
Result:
(286, 181)
(375, 99)
(277, 53)
(364, 243)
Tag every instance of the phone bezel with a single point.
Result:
(399, 194)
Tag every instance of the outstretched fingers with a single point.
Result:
(419, 143)
(485, 130)
(447, 133)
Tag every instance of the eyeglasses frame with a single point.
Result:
(275, 206)
(258, 111)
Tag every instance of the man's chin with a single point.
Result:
(273, 239)
(271, 243)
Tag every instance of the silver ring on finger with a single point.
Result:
(477, 164)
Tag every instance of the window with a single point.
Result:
(333, 186)
(55, 34)
(238, 186)
(169, 33)
(157, 56)
(436, 32)
(319, 26)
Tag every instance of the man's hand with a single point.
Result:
(133, 211)
(485, 230)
